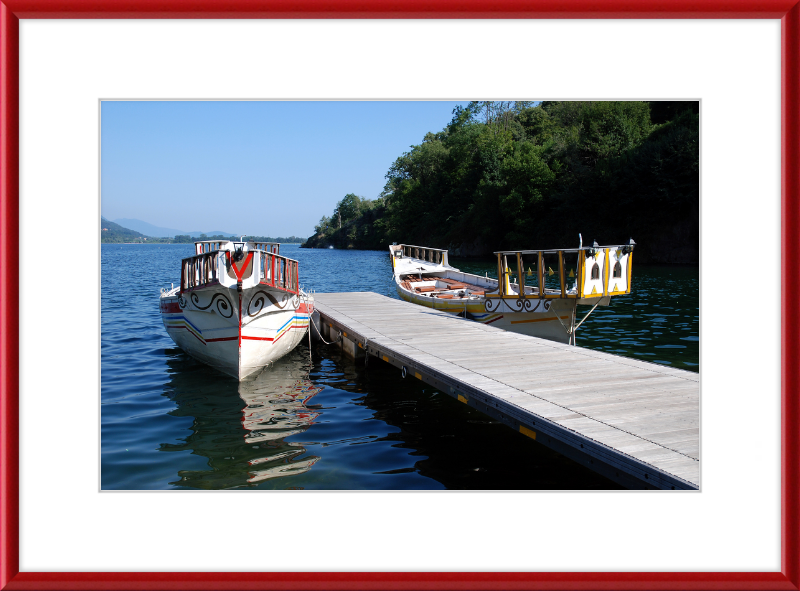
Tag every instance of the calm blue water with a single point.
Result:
(316, 420)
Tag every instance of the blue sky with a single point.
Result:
(258, 168)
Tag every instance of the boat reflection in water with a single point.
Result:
(276, 408)
(241, 427)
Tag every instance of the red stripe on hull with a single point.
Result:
(221, 339)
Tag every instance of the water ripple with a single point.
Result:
(323, 422)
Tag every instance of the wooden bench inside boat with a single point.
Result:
(408, 281)
(452, 284)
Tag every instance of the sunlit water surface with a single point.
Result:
(317, 420)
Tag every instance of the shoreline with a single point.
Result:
(172, 243)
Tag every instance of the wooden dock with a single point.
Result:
(635, 422)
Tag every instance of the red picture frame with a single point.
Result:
(13, 10)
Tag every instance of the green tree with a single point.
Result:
(516, 174)
(348, 208)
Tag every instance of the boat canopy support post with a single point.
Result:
(500, 280)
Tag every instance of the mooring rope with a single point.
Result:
(311, 318)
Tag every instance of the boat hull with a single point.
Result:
(540, 303)
(543, 323)
(237, 334)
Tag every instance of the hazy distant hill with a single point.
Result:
(113, 232)
(160, 232)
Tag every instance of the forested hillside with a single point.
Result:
(508, 175)
(111, 232)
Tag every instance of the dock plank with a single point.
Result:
(615, 414)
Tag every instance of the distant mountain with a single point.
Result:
(214, 233)
(148, 229)
(113, 232)
(159, 232)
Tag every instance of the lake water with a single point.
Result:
(318, 420)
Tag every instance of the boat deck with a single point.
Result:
(635, 422)
(452, 285)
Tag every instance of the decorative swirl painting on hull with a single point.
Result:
(515, 305)
(224, 306)
(260, 302)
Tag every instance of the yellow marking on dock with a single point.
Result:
(463, 399)
(416, 375)
(525, 431)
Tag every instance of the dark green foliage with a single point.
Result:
(281, 239)
(649, 192)
(663, 111)
(506, 175)
(359, 226)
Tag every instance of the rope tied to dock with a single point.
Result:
(311, 318)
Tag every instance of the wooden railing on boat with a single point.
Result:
(273, 247)
(279, 272)
(209, 245)
(201, 270)
(432, 255)
(601, 265)
(212, 245)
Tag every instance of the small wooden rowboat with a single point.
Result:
(538, 294)
(238, 307)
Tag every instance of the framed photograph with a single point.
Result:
(60, 530)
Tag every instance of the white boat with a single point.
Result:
(538, 295)
(238, 307)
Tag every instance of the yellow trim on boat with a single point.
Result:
(630, 262)
(539, 319)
